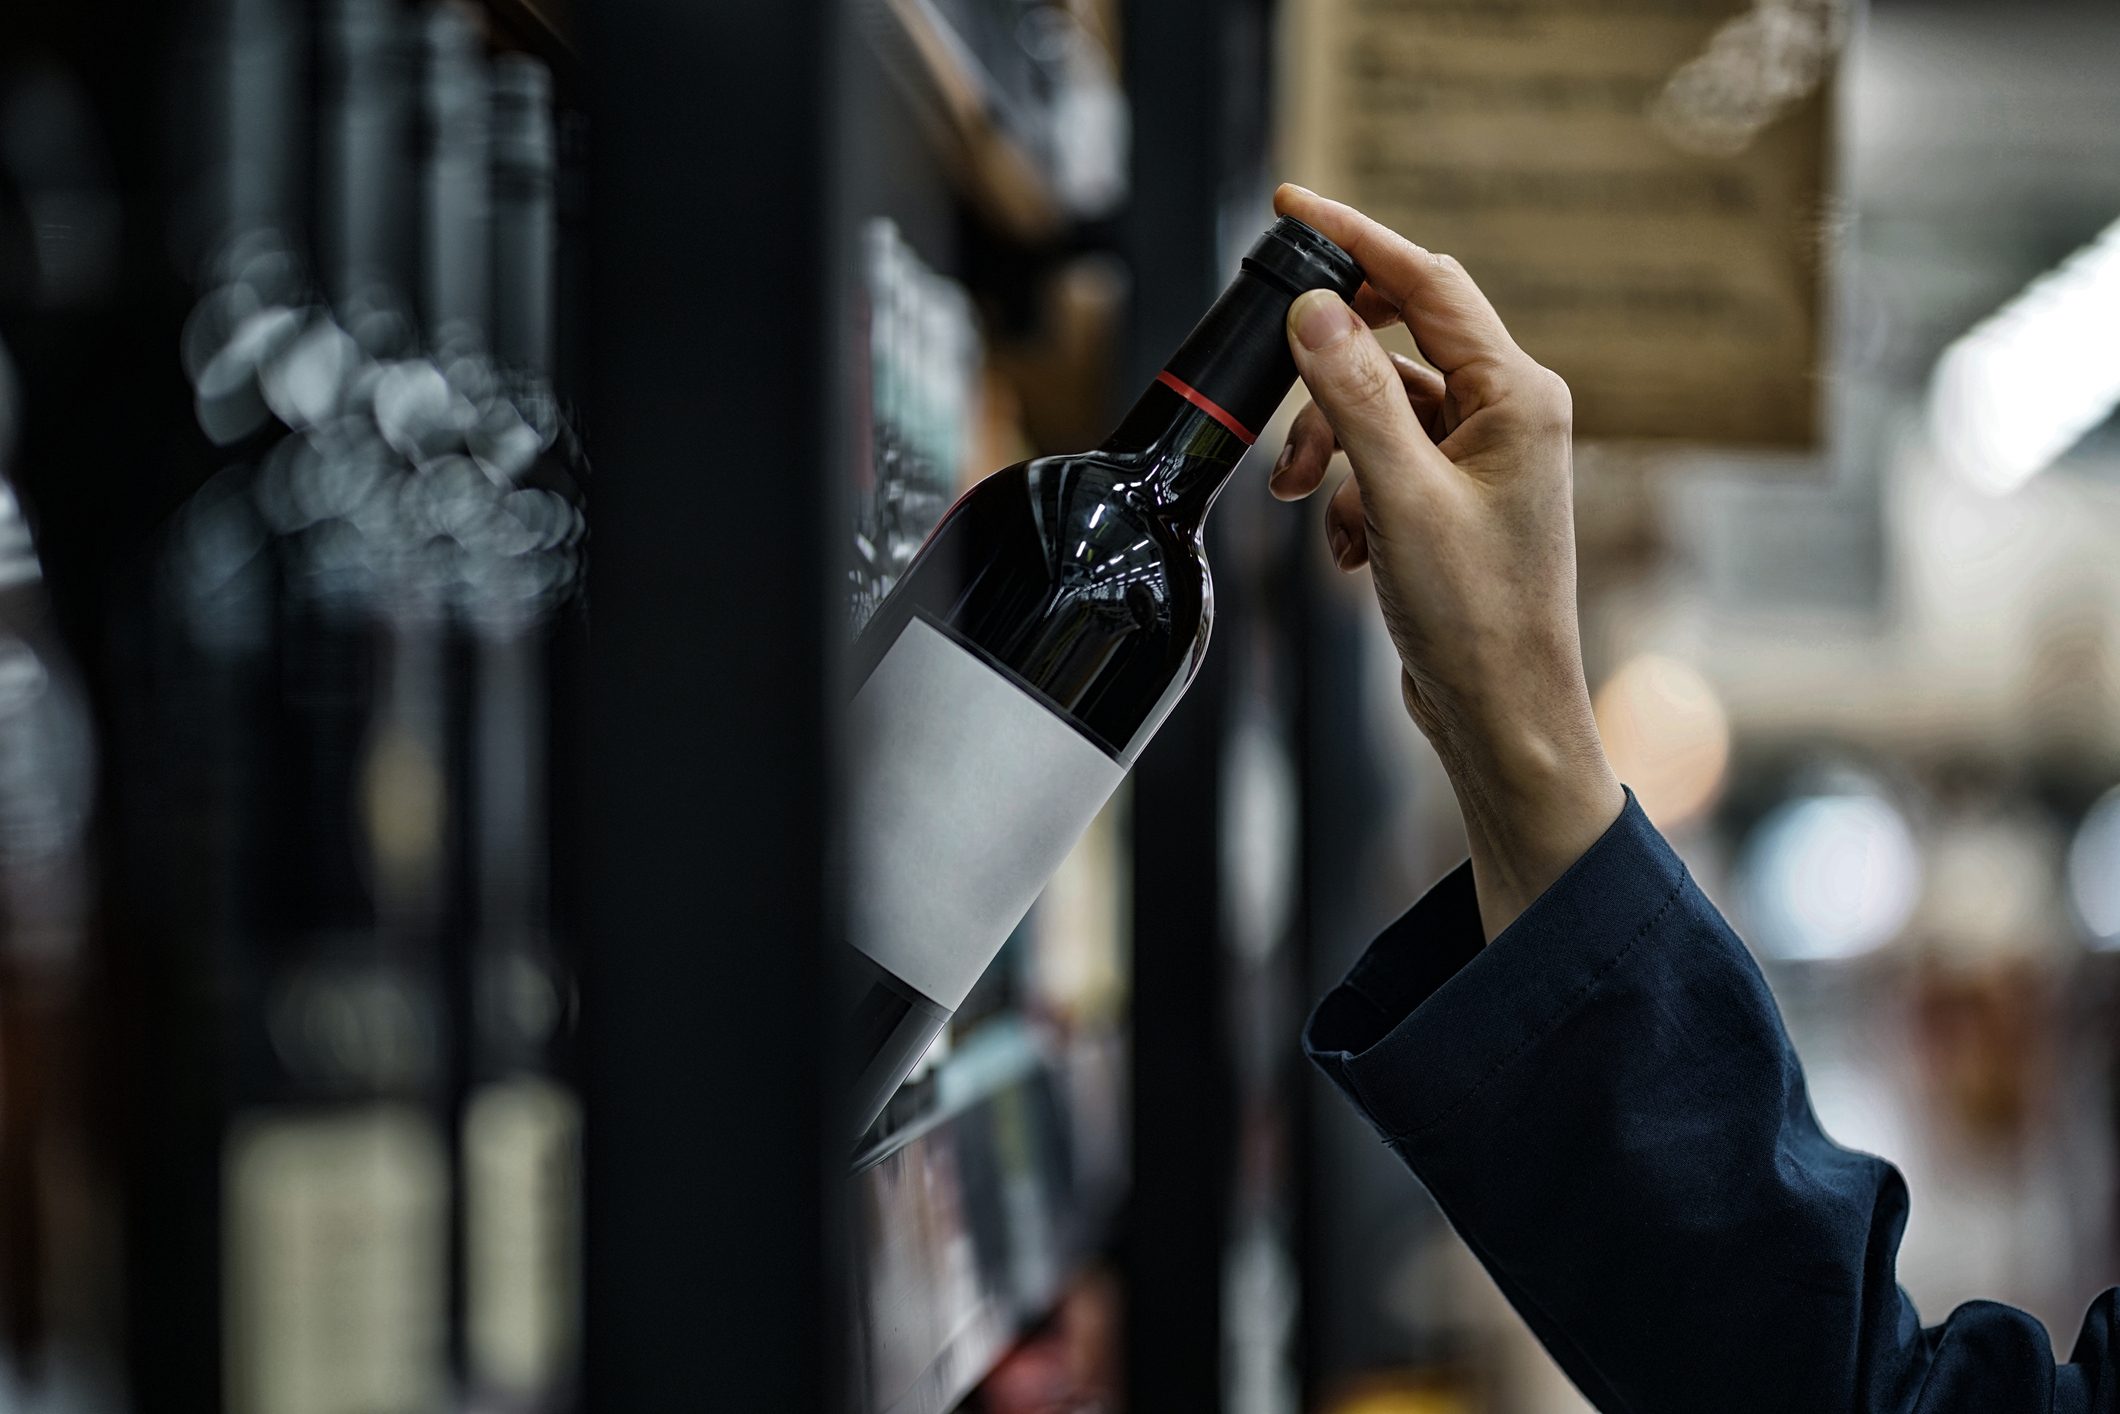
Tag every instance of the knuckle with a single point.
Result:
(1556, 400)
(1543, 399)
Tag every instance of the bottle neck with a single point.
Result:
(1194, 422)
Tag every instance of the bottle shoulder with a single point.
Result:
(1098, 515)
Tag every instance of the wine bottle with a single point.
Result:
(334, 1167)
(1047, 627)
(57, 1208)
(520, 1121)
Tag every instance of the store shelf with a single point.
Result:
(538, 27)
(968, 1225)
(967, 115)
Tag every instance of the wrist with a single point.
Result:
(1534, 801)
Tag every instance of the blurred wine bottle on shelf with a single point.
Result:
(308, 623)
(368, 117)
(456, 282)
(352, 614)
(922, 365)
(521, 1120)
(58, 1238)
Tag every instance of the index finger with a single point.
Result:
(1450, 319)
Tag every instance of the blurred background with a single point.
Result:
(415, 941)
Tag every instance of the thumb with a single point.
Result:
(1353, 382)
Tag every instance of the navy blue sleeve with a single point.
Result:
(1605, 1105)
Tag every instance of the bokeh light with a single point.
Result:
(1668, 735)
(2094, 871)
(1829, 877)
(2021, 388)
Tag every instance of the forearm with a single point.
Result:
(1604, 1103)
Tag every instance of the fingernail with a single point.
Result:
(1288, 454)
(1339, 540)
(1321, 320)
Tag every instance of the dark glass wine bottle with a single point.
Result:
(1045, 630)
(519, 1118)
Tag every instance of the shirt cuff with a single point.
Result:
(1429, 1016)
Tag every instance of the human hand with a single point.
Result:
(1460, 502)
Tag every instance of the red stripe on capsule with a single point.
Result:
(1206, 404)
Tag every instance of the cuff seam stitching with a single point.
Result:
(1574, 1001)
(1354, 984)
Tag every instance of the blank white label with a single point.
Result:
(966, 795)
(522, 1146)
(337, 1233)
